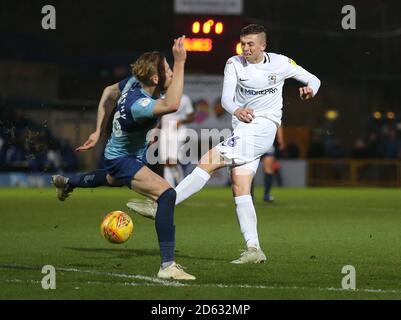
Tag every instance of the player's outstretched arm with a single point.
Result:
(172, 99)
(106, 105)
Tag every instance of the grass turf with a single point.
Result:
(307, 234)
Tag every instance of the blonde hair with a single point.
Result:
(148, 65)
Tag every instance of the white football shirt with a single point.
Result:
(260, 85)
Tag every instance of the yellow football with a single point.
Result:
(117, 227)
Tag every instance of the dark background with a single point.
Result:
(95, 41)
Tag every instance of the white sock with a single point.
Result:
(247, 220)
(192, 183)
(169, 176)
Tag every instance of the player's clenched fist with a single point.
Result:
(306, 93)
(179, 51)
(244, 114)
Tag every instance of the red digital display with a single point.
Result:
(210, 40)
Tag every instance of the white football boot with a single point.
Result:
(251, 255)
(174, 271)
(62, 186)
(146, 208)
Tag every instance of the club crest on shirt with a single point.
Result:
(232, 142)
(272, 78)
(144, 102)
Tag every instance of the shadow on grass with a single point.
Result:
(132, 253)
(119, 253)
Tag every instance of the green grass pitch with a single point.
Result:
(307, 234)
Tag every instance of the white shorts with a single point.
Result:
(248, 143)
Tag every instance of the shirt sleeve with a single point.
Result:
(298, 73)
(229, 87)
(143, 108)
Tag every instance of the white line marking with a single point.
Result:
(155, 282)
(128, 276)
(159, 281)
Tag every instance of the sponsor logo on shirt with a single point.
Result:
(232, 142)
(144, 102)
(252, 92)
(272, 78)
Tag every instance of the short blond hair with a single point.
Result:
(148, 65)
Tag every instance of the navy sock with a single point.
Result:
(165, 228)
(89, 180)
(268, 183)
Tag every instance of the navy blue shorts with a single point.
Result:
(124, 168)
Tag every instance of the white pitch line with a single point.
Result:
(102, 273)
(246, 286)
(21, 281)
(166, 283)
(128, 276)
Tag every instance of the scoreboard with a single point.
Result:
(210, 40)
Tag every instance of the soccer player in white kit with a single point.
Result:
(252, 93)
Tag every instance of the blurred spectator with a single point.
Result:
(391, 145)
(2, 150)
(201, 111)
(359, 151)
(335, 149)
(373, 146)
(316, 148)
(24, 145)
(15, 154)
(292, 151)
(38, 161)
(69, 160)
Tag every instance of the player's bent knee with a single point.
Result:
(240, 190)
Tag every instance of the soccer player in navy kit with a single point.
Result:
(138, 105)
